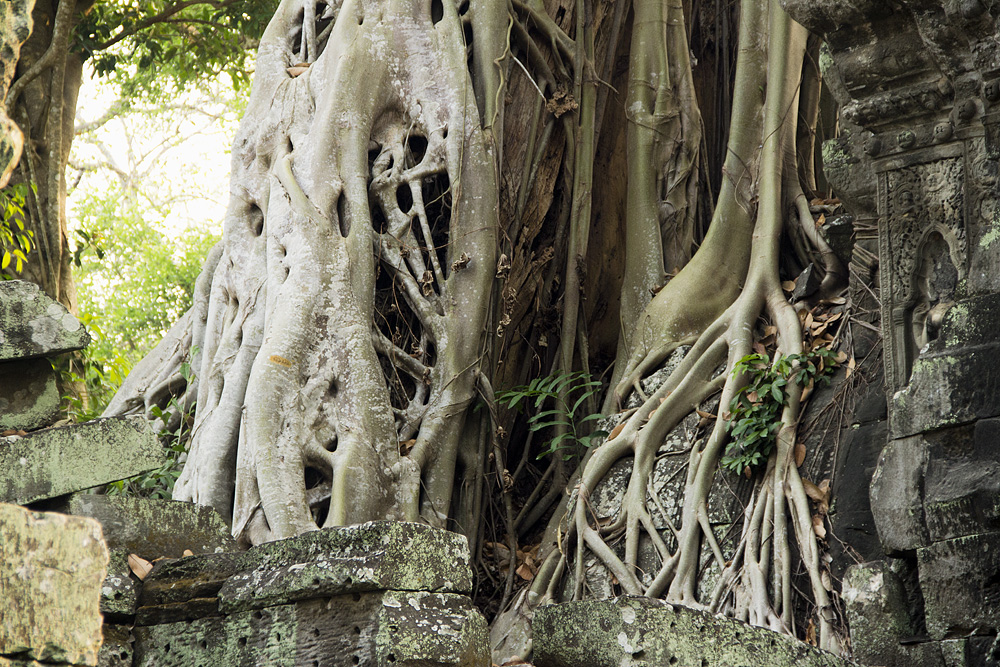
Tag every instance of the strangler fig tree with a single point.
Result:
(433, 198)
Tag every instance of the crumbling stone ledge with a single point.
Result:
(634, 631)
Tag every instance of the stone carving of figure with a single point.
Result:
(935, 281)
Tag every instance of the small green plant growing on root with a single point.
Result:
(567, 393)
(755, 410)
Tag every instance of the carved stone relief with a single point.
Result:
(923, 246)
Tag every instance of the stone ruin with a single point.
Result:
(916, 476)
(377, 594)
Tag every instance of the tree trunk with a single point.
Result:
(418, 186)
(42, 101)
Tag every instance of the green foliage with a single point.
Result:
(95, 378)
(150, 46)
(159, 483)
(15, 239)
(132, 277)
(566, 393)
(755, 410)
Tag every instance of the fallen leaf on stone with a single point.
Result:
(800, 454)
(788, 285)
(524, 571)
(298, 69)
(615, 431)
(187, 552)
(140, 566)
(851, 365)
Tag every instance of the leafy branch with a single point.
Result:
(755, 411)
(15, 239)
(566, 393)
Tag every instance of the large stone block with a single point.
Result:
(879, 617)
(896, 495)
(51, 569)
(381, 555)
(154, 528)
(29, 398)
(33, 325)
(57, 461)
(960, 581)
(633, 631)
(389, 628)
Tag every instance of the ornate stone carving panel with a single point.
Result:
(924, 251)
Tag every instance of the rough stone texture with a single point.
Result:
(879, 616)
(381, 555)
(33, 325)
(57, 461)
(960, 579)
(154, 528)
(381, 593)
(116, 651)
(29, 398)
(51, 569)
(896, 500)
(15, 26)
(384, 628)
(120, 590)
(633, 631)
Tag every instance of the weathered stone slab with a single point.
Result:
(896, 495)
(640, 631)
(960, 580)
(57, 461)
(879, 617)
(120, 590)
(33, 325)
(183, 579)
(388, 628)
(51, 569)
(29, 398)
(154, 528)
(381, 555)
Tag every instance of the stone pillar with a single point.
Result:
(919, 86)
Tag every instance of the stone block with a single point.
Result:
(896, 495)
(385, 628)
(29, 398)
(879, 617)
(120, 590)
(154, 528)
(851, 512)
(51, 569)
(381, 555)
(961, 497)
(637, 631)
(116, 651)
(180, 580)
(954, 380)
(57, 461)
(33, 325)
(960, 581)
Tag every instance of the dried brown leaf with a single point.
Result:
(818, 526)
(187, 552)
(140, 566)
(800, 454)
(296, 71)
(788, 285)
(615, 431)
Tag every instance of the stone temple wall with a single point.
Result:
(919, 85)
